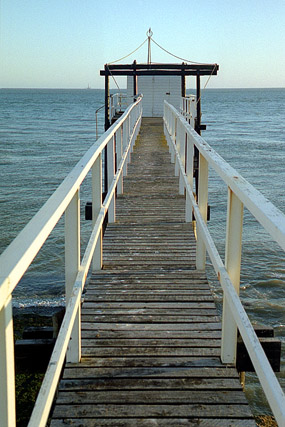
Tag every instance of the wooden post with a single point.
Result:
(72, 264)
(96, 206)
(111, 174)
(232, 264)
(203, 206)
(107, 125)
(107, 98)
(183, 83)
(135, 80)
(189, 173)
(7, 366)
(198, 130)
(119, 149)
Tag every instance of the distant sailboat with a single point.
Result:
(88, 87)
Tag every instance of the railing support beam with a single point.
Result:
(72, 263)
(232, 265)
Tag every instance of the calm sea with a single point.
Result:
(43, 133)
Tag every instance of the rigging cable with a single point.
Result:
(118, 60)
(178, 57)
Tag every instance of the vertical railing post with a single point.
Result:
(177, 143)
(119, 148)
(128, 138)
(7, 366)
(182, 157)
(72, 263)
(203, 207)
(111, 174)
(125, 143)
(232, 265)
(189, 173)
(96, 206)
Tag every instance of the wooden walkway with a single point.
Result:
(150, 330)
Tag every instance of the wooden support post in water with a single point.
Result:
(72, 264)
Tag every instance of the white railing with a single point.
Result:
(182, 139)
(118, 103)
(188, 109)
(16, 259)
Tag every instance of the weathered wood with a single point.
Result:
(190, 410)
(160, 422)
(150, 330)
(141, 396)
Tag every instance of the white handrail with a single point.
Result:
(273, 220)
(16, 259)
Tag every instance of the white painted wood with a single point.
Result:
(268, 380)
(15, 260)
(119, 151)
(203, 207)
(270, 217)
(7, 367)
(111, 174)
(96, 207)
(182, 157)
(232, 265)
(189, 174)
(155, 90)
(72, 263)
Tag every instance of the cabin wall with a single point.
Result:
(155, 90)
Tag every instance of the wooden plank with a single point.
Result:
(146, 342)
(151, 372)
(170, 361)
(155, 396)
(159, 422)
(121, 410)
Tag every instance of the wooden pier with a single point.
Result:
(150, 329)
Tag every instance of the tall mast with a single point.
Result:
(149, 35)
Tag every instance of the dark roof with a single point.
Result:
(159, 69)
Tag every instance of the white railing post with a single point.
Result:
(182, 157)
(96, 206)
(119, 148)
(72, 263)
(7, 366)
(232, 265)
(189, 173)
(125, 143)
(203, 206)
(177, 143)
(111, 174)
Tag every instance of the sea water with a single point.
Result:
(43, 134)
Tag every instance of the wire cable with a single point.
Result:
(177, 57)
(118, 60)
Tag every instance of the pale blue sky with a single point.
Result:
(64, 43)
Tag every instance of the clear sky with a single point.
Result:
(64, 43)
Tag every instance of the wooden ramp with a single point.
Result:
(150, 330)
